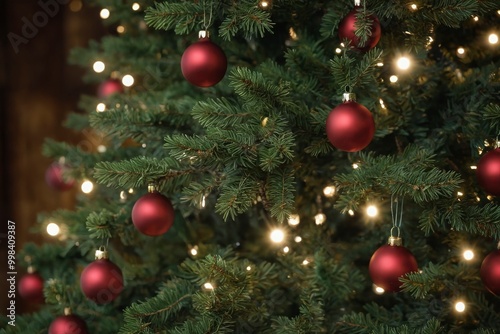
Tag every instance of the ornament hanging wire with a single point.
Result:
(205, 24)
(396, 214)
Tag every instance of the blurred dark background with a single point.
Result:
(37, 89)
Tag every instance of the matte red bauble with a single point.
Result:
(204, 63)
(30, 288)
(347, 28)
(388, 264)
(350, 127)
(488, 172)
(490, 272)
(54, 177)
(68, 324)
(101, 281)
(110, 87)
(153, 214)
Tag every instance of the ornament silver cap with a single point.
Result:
(67, 311)
(203, 34)
(151, 188)
(395, 241)
(346, 97)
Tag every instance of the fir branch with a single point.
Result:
(182, 17)
(245, 16)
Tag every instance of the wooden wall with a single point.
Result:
(37, 89)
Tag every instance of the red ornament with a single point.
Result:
(389, 263)
(490, 272)
(347, 28)
(153, 214)
(350, 126)
(30, 287)
(68, 324)
(488, 172)
(102, 280)
(54, 177)
(109, 87)
(204, 63)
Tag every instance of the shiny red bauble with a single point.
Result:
(204, 63)
(347, 28)
(488, 172)
(101, 281)
(30, 288)
(490, 272)
(54, 177)
(153, 214)
(388, 264)
(109, 87)
(68, 324)
(350, 127)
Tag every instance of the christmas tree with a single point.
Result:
(279, 166)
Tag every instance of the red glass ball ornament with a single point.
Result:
(153, 214)
(101, 281)
(388, 264)
(350, 126)
(347, 28)
(54, 177)
(490, 272)
(203, 63)
(488, 172)
(109, 87)
(30, 288)
(68, 324)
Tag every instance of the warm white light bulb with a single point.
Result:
(329, 191)
(104, 13)
(460, 51)
(193, 251)
(476, 18)
(120, 29)
(208, 286)
(320, 218)
(136, 6)
(298, 239)
(350, 212)
(305, 262)
(468, 254)
(53, 229)
(413, 6)
(372, 211)
(403, 63)
(493, 38)
(128, 80)
(87, 187)
(378, 290)
(99, 66)
(100, 107)
(460, 306)
(101, 148)
(277, 235)
(293, 220)
(393, 79)
(338, 50)
(286, 249)
(249, 268)
(264, 4)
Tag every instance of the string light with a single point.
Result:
(293, 220)
(460, 194)
(208, 286)
(460, 51)
(371, 211)
(100, 107)
(136, 6)
(403, 63)
(75, 6)
(99, 66)
(393, 79)
(413, 6)
(378, 290)
(264, 121)
(101, 148)
(87, 187)
(293, 34)
(53, 229)
(120, 29)
(128, 80)
(355, 166)
(460, 306)
(320, 218)
(194, 251)
(475, 18)
(380, 64)
(329, 191)
(382, 104)
(298, 239)
(286, 249)
(104, 13)
(277, 235)
(338, 50)
(305, 262)
(123, 196)
(265, 4)
(350, 212)
(131, 191)
(468, 254)
(493, 38)
(249, 268)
